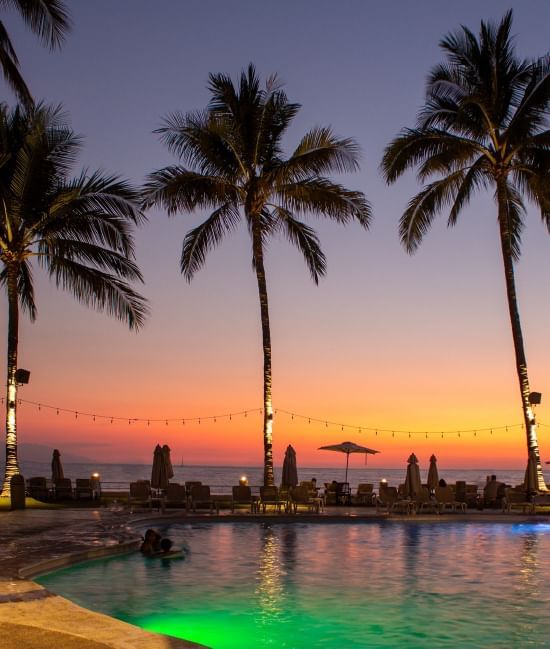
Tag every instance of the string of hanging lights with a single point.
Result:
(359, 429)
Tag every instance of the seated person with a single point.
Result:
(490, 492)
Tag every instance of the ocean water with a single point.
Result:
(221, 478)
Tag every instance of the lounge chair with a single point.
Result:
(201, 499)
(364, 494)
(63, 489)
(242, 495)
(445, 497)
(176, 495)
(300, 496)
(386, 498)
(38, 488)
(516, 498)
(541, 501)
(331, 493)
(270, 497)
(84, 489)
(425, 502)
(140, 494)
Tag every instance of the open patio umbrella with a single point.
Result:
(530, 483)
(433, 474)
(159, 473)
(57, 467)
(290, 471)
(168, 461)
(347, 448)
(413, 483)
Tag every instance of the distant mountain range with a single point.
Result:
(43, 453)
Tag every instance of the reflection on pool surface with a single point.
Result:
(370, 585)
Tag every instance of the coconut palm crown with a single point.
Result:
(232, 164)
(79, 230)
(48, 19)
(484, 125)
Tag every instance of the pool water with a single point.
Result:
(298, 586)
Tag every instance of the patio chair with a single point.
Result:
(300, 496)
(201, 498)
(84, 489)
(446, 500)
(242, 495)
(516, 498)
(63, 489)
(140, 494)
(425, 502)
(176, 495)
(270, 497)
(541, 501)
(364, 494)
(38, 489)
(331, 493)
(388, 500)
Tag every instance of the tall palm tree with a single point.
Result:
(232, 163)
(48, 19)
(77, 229)
(484, 125)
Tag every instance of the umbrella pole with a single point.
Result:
(347, 462)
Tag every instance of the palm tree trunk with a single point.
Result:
(12, 466)
(521, 361)
(257, 250)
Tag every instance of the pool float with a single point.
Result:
(171, 554)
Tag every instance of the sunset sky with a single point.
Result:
(386, 341)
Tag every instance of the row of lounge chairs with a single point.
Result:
(62, 489)
(194, 495)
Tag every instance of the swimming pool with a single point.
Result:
(368, 585)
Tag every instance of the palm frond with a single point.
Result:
(476, 177)
(512, 212)
(176, 189)
(48, 19)
(415, 146)
(423, 208)
(319, 152)
(305, 239)
(321, 196)
(25, 289)
(99, 290)
(205, 237)
(10, 68)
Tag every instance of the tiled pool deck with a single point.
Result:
(33, 618)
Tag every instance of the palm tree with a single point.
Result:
(49, 20)
(78, 230)
(232, 164)
(484, 125)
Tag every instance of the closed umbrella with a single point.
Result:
(57, 467)
(168, 461)
(530, 483)
(413, 483)
(159, 473)
(290, 471)
(433, 475)
(347, 448)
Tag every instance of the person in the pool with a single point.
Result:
(151, 543)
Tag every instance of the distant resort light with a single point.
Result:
(377, 430)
